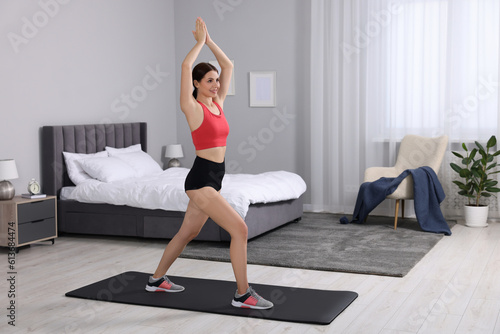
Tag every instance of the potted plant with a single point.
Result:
(478, 167)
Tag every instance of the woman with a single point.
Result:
(209, 129)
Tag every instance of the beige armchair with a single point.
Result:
(414, 152)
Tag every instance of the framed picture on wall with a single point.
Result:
(263, 89)
(231, 90)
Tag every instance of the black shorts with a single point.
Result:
(205, 173)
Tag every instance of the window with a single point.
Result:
(439, 69)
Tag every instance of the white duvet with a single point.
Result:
(165, 190)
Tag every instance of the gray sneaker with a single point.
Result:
(163, 284)
(251, 300)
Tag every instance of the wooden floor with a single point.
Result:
(453, 289)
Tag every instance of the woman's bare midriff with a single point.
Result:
(215, 154)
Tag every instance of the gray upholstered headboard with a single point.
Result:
(90, 138)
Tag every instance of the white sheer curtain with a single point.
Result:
(381, 69)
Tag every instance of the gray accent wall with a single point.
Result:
(258, 35)
(106, 61)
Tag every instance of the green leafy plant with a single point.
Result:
(479, 165)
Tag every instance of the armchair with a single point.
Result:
(414, 152)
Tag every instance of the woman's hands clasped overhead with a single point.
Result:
(201, 32)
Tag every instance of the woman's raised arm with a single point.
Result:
(225, 64)
(188, 102)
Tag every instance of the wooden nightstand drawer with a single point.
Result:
(36, 230)
(25, 221)
(27, 212)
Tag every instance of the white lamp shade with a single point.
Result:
(174, 151)
(8, 170)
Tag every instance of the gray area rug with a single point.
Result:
(320, 242)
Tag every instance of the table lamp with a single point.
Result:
(8, 171)
(174, 151)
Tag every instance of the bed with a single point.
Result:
(123, 220)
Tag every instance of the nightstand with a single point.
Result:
(25, 221)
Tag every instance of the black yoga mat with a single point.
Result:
(214, 296)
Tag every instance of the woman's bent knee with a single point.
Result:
(240, 231)
(187, 236)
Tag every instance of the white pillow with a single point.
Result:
(141, 162)
(75, 172)
(107, 169)
(112, 151)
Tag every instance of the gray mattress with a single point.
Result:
(106, 219)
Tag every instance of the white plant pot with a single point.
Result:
(476, 216)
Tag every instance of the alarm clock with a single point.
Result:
(33, 187)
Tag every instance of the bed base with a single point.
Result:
(107, 219)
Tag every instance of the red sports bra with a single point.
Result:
(212, 132)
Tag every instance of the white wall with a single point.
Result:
(84, 62)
